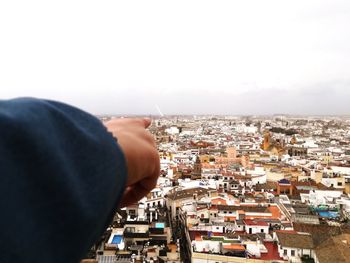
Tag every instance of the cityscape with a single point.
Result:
(249, 102)
(240, 189)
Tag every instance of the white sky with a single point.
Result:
(227, 57)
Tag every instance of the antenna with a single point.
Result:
(158, 109)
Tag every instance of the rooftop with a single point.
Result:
(250, 222)
(177, 194)
(272, 252)
(334, 249)
(295, 240)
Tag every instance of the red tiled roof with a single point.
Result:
(234, 247)
(219, 201)
(255, 223)
(275, 211)
(272, 252)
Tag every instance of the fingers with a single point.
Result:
(142, 158)
(133, 126)
(137, 191)
(133, 194)
(147, 122)
(143, 122)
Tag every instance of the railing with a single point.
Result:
(138, 222)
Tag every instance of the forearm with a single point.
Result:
(62, 175)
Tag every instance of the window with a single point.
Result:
(262, 230)
(340, 184)
(292, 252)
(132, 212)
(285, 252)
(130, 229)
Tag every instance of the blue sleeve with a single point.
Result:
(61, 178)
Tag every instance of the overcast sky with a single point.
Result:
(192, 57)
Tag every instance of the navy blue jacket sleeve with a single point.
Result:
(61, 178)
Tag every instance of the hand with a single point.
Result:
(141, 156)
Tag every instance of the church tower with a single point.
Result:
(197, 169)
(267, 140)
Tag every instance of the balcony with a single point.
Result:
(156, 231)
(131, 234)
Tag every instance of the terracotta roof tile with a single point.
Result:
(295, 240)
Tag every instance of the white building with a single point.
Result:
(293, 245)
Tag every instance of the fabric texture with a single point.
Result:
(62, 175)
